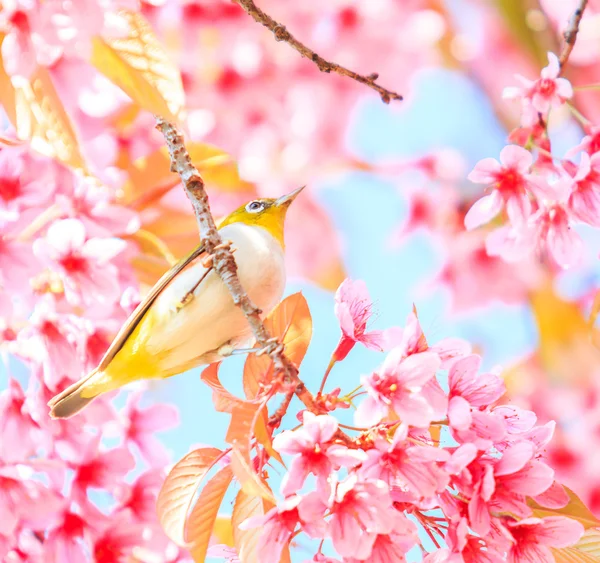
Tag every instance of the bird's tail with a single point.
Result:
(70, 401)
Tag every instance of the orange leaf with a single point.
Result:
(244, 413)
(201, 522)
(575, 509)
(291, 322)
(150, 177)
(37, 114)
(590, 542)
(223, 400)
(565, 350)
(248, 479)
(573, 555)
(139, 65)
(179, 488)
(246, 541)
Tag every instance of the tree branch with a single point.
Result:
(570, 34)
(282, 34)
(224, 264)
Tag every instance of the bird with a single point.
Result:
(188, 318)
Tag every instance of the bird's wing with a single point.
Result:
(145, 305)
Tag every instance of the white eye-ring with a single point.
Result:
(255, 207)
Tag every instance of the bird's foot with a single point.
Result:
(270, 347)
(229, 350)
(208, 261)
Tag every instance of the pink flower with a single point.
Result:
(590, 143)
(510, 180)
(17, 261)
(476, 277)
(19, 187)
(95, 208)
(84, 266)
(140, 497)
(414, 341)
(100, 469)
(392, 547)
(360, 511)
(554, 232)
(503, 485)
(548, 229)
(546, 92)
(117, 541)
(142, 425)
(50, 339)
(584, 201)
(316, 452)
(24, 46)
(353, 310)
(411, 467)
(485, 429)
(533, 538)
(25, 502)
(67, 542)
(280, 522)
(400, 385)
(21, 435)
(468, 390)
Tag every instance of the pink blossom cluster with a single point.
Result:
(65, 287)
(542, 196)
(437, 453)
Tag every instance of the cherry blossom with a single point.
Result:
(584, 201)
(510, 179)
(142, 424)
(361, 509)
(547, 91)
(279, 524)
(353, 310)
(84, 265)
(400, 384)
(22, 436)
(413, 467)
(316, 452)
(467, 390)
(532, 537)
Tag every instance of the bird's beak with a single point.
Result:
(285, 200)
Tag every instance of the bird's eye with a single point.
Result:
(255, 206)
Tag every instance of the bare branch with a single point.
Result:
(282, 34)
(223, 261)
(571, 32)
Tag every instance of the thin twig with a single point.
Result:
(282, 34)
(570, 34)
(225, 265)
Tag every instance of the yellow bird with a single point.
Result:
(188, 318)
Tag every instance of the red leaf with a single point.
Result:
(291, 322)
(202, 520)
(179, 489)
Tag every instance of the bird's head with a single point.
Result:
(267, 213)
